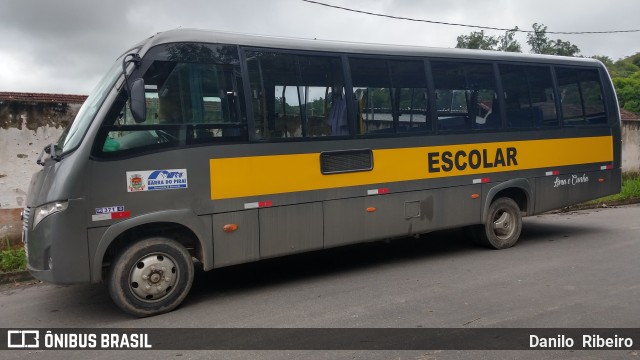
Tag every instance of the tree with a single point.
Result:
(564, 48)
(607, 61)
(624, 67)
(477, 40)
(508, 43)
(628, 91)
(538, 40)
(541, 44)
(625, 74)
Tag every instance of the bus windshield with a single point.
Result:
(73, 134)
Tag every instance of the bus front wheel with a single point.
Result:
(502, 226)
(151, 277)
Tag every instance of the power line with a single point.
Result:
(467, 25)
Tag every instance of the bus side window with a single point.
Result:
(592, 97)
(581, 97)
(322, 93)
(373, 94)
(528, 96)
(296, 96)
(542, 93)
(411, 105)
(391, 96)
(465, 96)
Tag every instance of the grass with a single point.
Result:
(630, 190)
(13, 260)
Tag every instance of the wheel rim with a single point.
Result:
(153, 277)
(504, 225)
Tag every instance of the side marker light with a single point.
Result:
(230, 228)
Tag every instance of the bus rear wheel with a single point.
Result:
(151, 277)
(502, 226)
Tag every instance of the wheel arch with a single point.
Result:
(183, 225)
(520, 190)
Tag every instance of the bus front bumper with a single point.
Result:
(57, 250)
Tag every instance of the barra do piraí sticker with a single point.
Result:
(156, 180)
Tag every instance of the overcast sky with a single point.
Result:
(65, 46)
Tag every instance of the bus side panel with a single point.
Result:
(555, 192)
(376, 217)
(239, 246)
(290, 229)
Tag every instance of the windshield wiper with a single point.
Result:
(51, 150)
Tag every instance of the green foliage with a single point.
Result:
(607, 61)
(541, 44)
(508, 43)
(633, 60)
(628, 91)
(477, 40)
(630, 189)
(625, 74)
(564, 48)
(538, 40)
(624, 67)
(12, 260)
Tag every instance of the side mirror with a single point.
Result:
(137, 101)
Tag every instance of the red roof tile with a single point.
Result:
(628, 116)
(46, 98)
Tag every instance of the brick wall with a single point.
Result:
(28, 122)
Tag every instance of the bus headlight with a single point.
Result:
(48, 209)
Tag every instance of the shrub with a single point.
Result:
(12, 260)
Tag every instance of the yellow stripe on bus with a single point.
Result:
(274, 174)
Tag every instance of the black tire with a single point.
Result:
(502, 226)
(151, 277)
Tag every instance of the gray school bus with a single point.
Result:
(227, 148)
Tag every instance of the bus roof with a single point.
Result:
(276, 42)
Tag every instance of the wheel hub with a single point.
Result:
(503, 226)
(153, 277)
